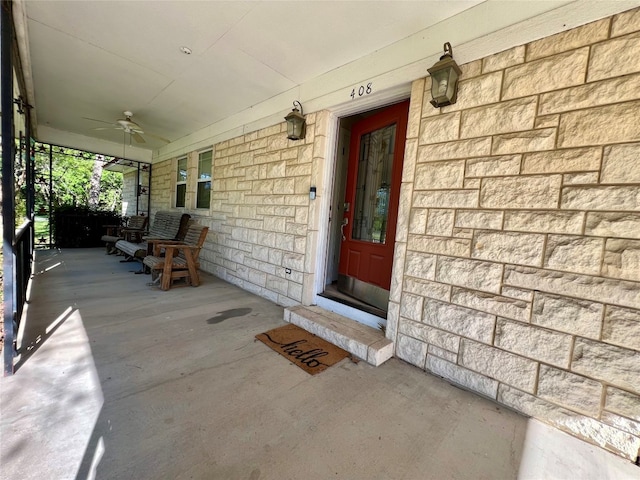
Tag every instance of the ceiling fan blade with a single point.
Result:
(106, 128)
(128, 126)
(96, 120)
(157, 137)
(137, 137)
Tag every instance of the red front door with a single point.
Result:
(372, 194)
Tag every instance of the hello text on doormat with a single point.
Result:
(304, 349)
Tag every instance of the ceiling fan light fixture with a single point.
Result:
(128, 126)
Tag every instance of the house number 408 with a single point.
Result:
(361, 91)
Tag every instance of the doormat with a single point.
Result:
(304, 349)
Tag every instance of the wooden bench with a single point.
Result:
(136, 223)
(167, 225)
(180, 259)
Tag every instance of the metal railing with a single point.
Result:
(17, 282)
(23, 246)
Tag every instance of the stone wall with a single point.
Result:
(263, 226)
(163, 178)
(517, 261)
(517, 270)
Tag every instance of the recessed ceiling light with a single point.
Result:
(185, 50)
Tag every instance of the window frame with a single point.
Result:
(205, 180)
(180, 183)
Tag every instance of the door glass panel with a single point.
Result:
(373, 186)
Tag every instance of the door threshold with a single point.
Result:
(352, 302)
(356, 314)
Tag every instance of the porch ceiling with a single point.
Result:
(94, 60)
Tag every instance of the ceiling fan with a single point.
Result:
(128, 126)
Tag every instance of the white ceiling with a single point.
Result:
(96, 59)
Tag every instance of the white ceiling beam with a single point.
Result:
(90, 144)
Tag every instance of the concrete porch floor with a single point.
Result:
(118, 379)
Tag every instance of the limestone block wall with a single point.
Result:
(517, 268)
(263, 225)
(163, 178)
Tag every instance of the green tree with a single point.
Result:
(19, 184)
(72, 177)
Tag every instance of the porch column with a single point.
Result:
(8, 197)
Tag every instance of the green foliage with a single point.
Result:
(65, 181)
(111, 191)
(20, 208)
(19, 185)
(70, 176)
(42, 228)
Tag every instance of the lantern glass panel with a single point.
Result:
(451, 86)
(295, 127)
(440, 83)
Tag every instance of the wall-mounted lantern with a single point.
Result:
(444, 79)
(296, 123)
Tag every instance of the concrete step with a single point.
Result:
(360, 340)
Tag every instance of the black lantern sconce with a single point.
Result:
(444, 79)
(296, 123)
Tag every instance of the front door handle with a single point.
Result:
(345, 222)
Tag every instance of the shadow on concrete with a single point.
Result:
(36, 334)
(227, 314)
